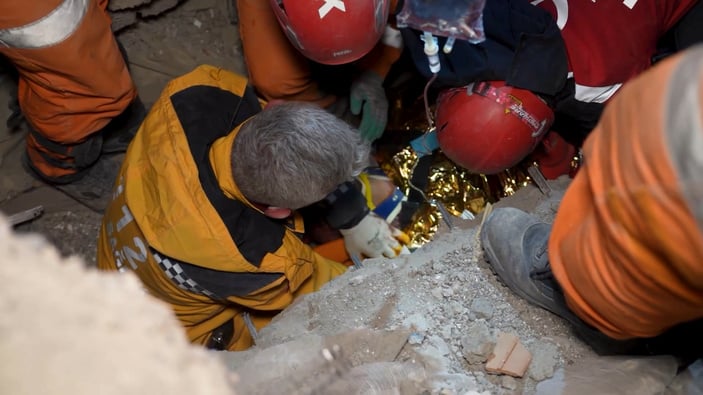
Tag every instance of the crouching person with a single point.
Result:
(204, 209)
(623, 259)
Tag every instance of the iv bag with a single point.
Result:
(460, 19)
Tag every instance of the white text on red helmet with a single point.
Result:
(329, 5)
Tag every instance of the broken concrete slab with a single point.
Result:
(116, 5)
(122, 19)
(478, 342)
(545, 358)
(198, 5)
(157, 7)
(611, 376)
(337, 363)
(689, 381)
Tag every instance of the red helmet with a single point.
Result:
(555, 156)
(488, 127)
(332, 31)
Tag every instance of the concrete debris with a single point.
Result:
(509, 383)
(612, 375)
(26, 215)
(477, 344)
(482, 308)
(157, 7)
(509, 356)
(545, 357)
(117, 5)
(126, 13)
(123, 19)
(352, 362)
(437, 294)
(689, 381)
(200, 5)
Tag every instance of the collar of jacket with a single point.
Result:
(221, 162)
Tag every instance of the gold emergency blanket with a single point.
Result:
(459, 192)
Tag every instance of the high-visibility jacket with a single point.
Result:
(72, 77)
(627, 241)
(181, 224)
(279, 71)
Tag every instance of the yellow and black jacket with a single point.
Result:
(180, 223)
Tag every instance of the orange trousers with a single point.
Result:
(72, 77)
(627, 241)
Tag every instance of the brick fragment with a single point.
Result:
(509, 356)
(504, 346)
(518, 361)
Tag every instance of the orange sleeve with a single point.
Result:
(625, 246)
(388, 50)
(276, 69)
(380, 59)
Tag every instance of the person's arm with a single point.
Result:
(384, 54)
(365, 233)
(276, 69)
(388, 50)
(367, 95)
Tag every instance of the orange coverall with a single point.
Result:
(72, 77)
(627, 241)
(279, 71)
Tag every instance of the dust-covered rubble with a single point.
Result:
(451, 304)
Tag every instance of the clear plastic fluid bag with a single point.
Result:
(458, 19)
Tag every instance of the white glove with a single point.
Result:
(373, 237)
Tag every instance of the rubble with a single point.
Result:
(127, 13)
(423, 323)
(611, 376)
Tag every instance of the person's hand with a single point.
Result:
(368, 98)
(373, 237)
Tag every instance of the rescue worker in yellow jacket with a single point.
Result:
(74, 90)
(205, 208)
(622, 260)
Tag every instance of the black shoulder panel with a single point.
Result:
(207, 113)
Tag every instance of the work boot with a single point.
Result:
(94, 189)
(91, 187)
(121, 130)
(515, 244)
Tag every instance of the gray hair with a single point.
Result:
(293, 154)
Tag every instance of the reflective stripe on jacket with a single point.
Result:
(181, 224)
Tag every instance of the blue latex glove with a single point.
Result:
(368, 98)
